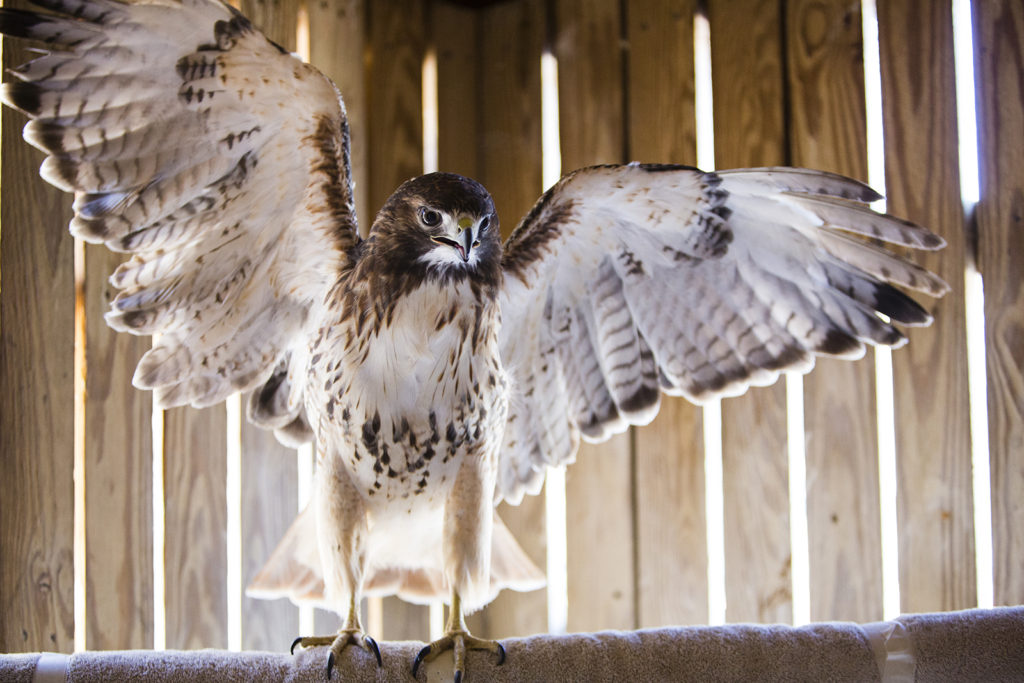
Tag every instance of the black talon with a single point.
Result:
(376, 651)
(295, 642)
(501, 653)
(330, 664)
(458, 677)
(419, 658)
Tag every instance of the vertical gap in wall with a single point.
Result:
(79, 550)
(430, 165)
(712, 411)
(554, 487)
(430, 115)
(304, 475)
(302, 32)
(233, 497)
(159, 574)
(974, 294)
(884, 397)
(798, 533)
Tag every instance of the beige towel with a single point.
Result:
(976, 645)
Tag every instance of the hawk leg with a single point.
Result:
(349, 634)
(458, 639)
(341, 536)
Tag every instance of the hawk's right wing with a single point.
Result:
(214, 158)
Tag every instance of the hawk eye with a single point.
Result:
(485, 223)
(429, 217)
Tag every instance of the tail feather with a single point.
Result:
(294, 572)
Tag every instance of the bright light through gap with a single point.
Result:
(80, 554)
(159, 576)
(551, 148)
(966, 114)
(304, 467)
(798, 534)
(233, 497)
(554, 487)
(705, 110)
(430, 125)
(884, 399)
(714, 498)
(977, 381)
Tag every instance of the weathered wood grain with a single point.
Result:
(269, 503)
(195, 514)
(660, 81)
(269, 476)
(37, 394)
(749, 109)
(671, 529)
(336, 42)
(933, 441)
(827, 131)
(456, 41)
(118, 443)
(599, 496)
(999, 31)
(397, 45)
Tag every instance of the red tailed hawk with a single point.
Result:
(437, 371)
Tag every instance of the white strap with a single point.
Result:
(893, 650)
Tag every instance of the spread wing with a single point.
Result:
(212, 157)
(626, 281)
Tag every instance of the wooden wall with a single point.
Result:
(788, 88)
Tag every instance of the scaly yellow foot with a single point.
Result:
(458, 641)
(349, 634)
(345, 637)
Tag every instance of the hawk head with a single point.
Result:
(440, 225)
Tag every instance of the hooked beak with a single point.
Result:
(465, 239)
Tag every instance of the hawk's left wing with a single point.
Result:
(625, 281)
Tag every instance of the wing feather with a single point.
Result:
(626, 280)
(217, 161)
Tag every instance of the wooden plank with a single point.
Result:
(747, 76)
(999, 31)
(827, 130)
(118, 474)
(671, 529)
(397, 45)
(269, 476)
(512, 39)
(933, 441)
(269, 502)
(36, 390)
(459, 82)
(599, 505)
(395, 95)
(336, 43)
(195, 514)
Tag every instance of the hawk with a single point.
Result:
(436, 370)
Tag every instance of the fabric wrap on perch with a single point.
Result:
(971, 645)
